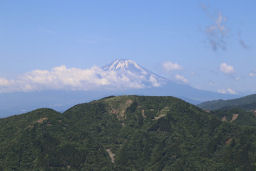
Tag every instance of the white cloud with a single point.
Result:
(227, 69)
(154, 81)
(4, 82)
(181, 78)
(252, 74)
(227, 91)
(76, 79)
(170, 66)
(63, 78)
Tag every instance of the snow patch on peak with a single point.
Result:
(125, 68)
(125, 65)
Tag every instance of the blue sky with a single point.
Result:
(41, 35)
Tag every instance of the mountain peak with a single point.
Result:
(125, 65)
(128, 69)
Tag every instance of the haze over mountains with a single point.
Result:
(122, 77)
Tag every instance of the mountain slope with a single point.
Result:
(246, 103)
(236, 116)
(125, 133)
(41, 140)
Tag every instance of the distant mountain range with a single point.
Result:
(246, 103)
(240, 111)
(128, 78)
(128, 133)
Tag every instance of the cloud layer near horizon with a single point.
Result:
(227, 91)
(63, 78)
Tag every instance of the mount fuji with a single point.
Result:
(134, 73)
(124, 77)
(150, 83)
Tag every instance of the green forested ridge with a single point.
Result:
(127, 133)
(236, 116)
(241, 111)
(246, 103)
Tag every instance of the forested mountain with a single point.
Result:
(241, 111)
(246, 103)
(126, 133)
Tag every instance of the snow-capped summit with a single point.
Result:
(125, 65)
(128, 69)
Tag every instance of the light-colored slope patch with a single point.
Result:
(228, 141)
(143, 113)
(160, 116)
(119, 105)
(162, 113)
(254, 113)
(224, 119)
(111, 155)
(41, 120)
(234, 117)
